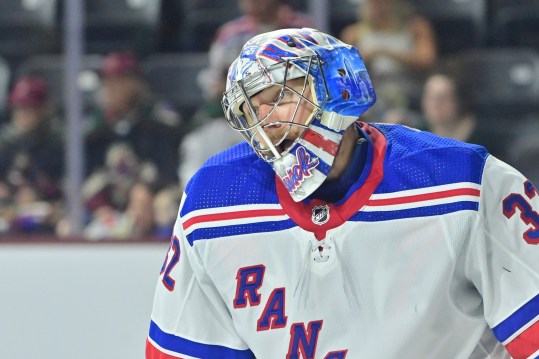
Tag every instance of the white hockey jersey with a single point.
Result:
(433, 253)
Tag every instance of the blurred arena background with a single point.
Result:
(81, 285)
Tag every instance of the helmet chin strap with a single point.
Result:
(299, 172)
(337, 122)
(299, 180)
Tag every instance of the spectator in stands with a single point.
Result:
(402, 116)
(110, 185)
(446, 112)
(31, 159)
(136, 222)
(203, 142)
(208, 132)
(148, 214)
(129, 114)
(398, 47)
(165, 208)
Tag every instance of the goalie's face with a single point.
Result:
(277, 116)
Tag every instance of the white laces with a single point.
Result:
(321, 250)
(318, 252)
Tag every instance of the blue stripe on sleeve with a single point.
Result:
(239, 229)
(517, 320)
(187, 347)
(426, 211)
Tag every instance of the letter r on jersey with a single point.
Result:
(248, 282)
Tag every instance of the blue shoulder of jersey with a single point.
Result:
(233, 177)
(419, 159)
(232, 194)
(425, 175)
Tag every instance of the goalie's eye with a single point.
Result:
(269, 97)
(248, 116)
(287, 95)
(276, 98)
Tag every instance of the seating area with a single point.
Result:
(492, 44)
(189, 25)
(172, 37)
(28, 28)
(173, 77)
(121, 25)
(502, 80)
(51, 68)
(516, 24)
(503, 85)
(459, 24)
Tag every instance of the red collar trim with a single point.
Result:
(301, 212)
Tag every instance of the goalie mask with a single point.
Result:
(325, 87)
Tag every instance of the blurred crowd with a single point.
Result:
(141, 149)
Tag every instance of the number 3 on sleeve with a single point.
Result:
(527, 214)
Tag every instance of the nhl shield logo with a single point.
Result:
(320, 214)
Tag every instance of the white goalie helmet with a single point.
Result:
(335, 84)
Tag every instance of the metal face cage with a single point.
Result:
(244, 117)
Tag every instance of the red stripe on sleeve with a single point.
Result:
(154, 353)
(525, 344)
(232, 215)
(425, 197)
